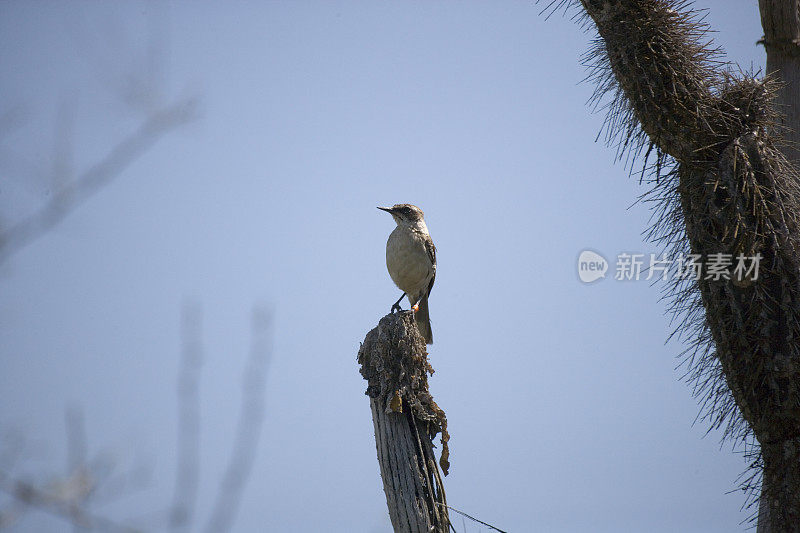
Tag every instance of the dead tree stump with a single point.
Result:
(394, 362)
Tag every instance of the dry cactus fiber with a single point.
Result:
(720, 183)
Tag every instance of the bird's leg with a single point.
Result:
(396, 306)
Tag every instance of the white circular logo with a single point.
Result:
(591, 266)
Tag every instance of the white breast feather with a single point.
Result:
(408, 263)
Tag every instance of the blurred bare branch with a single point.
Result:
(188, 468)
(13, 447)
(76, 458)
(66, 496)
(89, 480)
(63, 169)
(51, 502)
(118, 484)
(72, 194)
(251, 419)
(76, 439)
(137, 79)
(136, 76)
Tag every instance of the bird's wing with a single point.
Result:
(431, 249)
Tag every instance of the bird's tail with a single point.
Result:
(423, 321)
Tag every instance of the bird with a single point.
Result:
(411, 261)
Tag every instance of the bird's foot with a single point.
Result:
(396, 306)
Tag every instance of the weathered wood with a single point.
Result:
(394, 361)
(781, 22)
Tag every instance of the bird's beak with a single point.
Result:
(387, 209)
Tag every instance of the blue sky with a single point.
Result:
(564, 405)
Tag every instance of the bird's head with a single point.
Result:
(405, 214)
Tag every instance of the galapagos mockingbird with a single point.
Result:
(411, 260)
